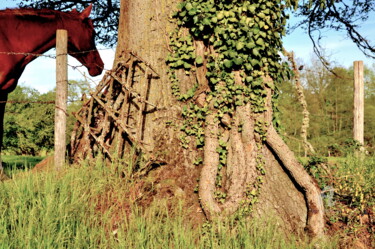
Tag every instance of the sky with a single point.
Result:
(40, 74)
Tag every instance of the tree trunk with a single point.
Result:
(245, 164)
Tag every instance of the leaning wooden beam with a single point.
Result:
(119, 124)
(143, 105)
(132, 91)
(102, 144)
(145, 62)
(129, 75)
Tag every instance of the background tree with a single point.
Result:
(369, 135)
(346, 16)
(29, 123)
(28, 127)
(104, 14)
(330, 102)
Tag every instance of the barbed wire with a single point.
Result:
(74, 67)
(50, 55)
(27, 102)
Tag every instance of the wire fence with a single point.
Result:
(53, 56)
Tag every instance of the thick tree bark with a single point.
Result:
(259, 168)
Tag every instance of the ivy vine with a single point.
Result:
(241, 37)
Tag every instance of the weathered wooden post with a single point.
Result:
(359, 98)
(61, 97)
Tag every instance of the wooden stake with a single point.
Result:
(359, 96)
(61, 97)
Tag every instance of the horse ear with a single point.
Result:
(86, 12)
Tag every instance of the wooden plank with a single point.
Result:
(89, 131)
(359, 97)
(61, 97)
(142, 108)
(120, 124)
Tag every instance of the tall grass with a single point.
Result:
(12, 163)
(82, 208)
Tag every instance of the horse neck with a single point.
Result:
(33, 36)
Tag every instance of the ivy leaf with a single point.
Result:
(248, 67)
(199, 60)
(250, 45)
(188, 6)
(206, 21)
(220, 15)
(187, 66)
(252, 9)
(240, 45)
(228, 64)
(232, 53)
(260, 42)
(182, 13)
(238, 61)
(256, 52)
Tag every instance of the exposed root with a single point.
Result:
(249, 142)
(209, 170)
(315, 215)
(236, 176)
(240, 169)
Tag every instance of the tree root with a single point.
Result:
(315, 207)
(240, 169)
(209, 170)
(315, 216)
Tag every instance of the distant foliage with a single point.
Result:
(29, 119)
(28, 127)
(330, 103)
(105, 15)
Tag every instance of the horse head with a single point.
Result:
(81, 43)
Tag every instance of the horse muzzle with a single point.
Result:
(95, 70)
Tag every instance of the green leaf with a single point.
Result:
(248, 67)
(232, 53)
(252, 9)
(240, 45)
(260, 42)
(228, 64)
(250, 45)
(187, 66)
(220, 15)
(199, 60)
(188, 6)
(256, 52)
(238, 61)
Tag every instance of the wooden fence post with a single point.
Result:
(359, 97)
(61, 97)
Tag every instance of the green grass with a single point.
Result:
(88, 208)
(14, 164)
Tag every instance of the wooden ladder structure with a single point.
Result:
(113, 116)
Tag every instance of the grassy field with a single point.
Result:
(14, 164)
(84, 207)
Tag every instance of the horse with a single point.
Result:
(26, 33)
